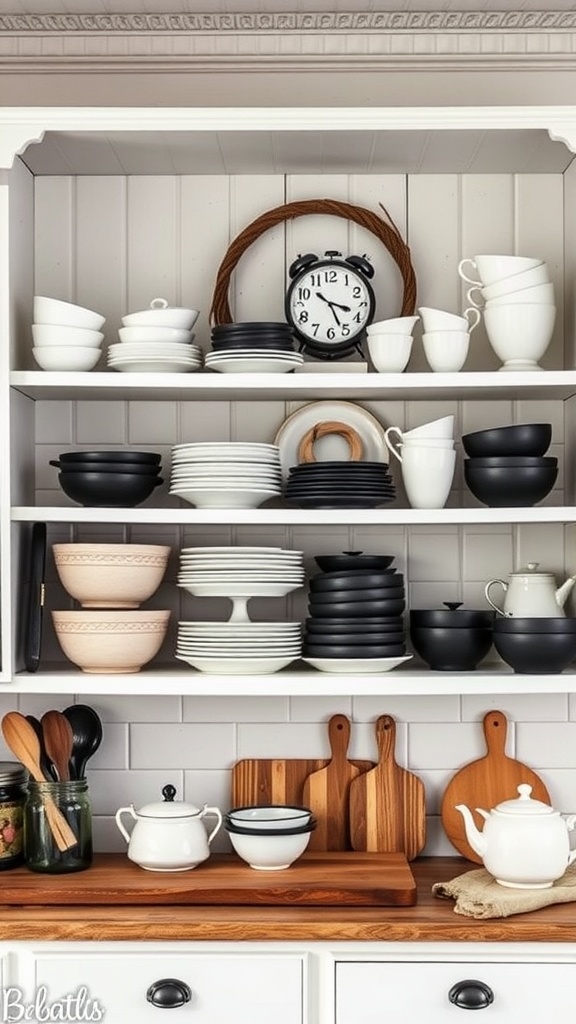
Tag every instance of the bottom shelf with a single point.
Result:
(299, 681)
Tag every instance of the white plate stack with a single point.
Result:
(253, 361)
(239, 646)
(226, 474)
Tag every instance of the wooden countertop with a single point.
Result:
(431, 920)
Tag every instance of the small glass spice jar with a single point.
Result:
(58, 827)
(13, 777)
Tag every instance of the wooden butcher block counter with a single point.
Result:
(429, 920)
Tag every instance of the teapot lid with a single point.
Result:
(168, 807)
(531, 569)
(524, 804)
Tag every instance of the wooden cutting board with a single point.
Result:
(327, 791)
(485, 783)
(316, 879)
(387, 804)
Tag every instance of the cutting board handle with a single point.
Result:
(386, 738)
(339, 736)
(495, 730)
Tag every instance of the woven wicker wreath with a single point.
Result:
(388, 234)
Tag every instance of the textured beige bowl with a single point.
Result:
(111, 575)
(108, 642)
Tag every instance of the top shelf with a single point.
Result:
(557, 384)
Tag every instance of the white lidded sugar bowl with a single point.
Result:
(169, 835)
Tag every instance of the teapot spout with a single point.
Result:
(561, 594)
(474, 836)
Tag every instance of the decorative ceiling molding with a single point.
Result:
(257, 42)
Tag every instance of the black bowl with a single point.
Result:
(368, 651)
(451, 650)
(138, 468)
(506, 461)
(553, 624)
(360, 594)
(511, 487)
(452, 617)
(123, 456)
(108, 490)
(516, 439)
(358, 608)
(536, 653)
(329, 582)
(353, 560)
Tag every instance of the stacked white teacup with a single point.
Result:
(446, 337)
(428, 459)
(517, 299)
(390, 343)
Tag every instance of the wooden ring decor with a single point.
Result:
(388, 234)
(354, 441)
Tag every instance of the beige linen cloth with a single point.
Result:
(478, 895)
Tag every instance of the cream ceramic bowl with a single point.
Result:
(64, 358)
(110, 642)
(53, 334)
(65, 314)
(110, 575)
(267, 852)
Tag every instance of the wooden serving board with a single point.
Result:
(327, 791)
(316, 879)
(387, 804)
(485, 783)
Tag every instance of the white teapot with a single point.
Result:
(524, 843)
(531, 594)
(168, 835)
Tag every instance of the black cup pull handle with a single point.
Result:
(471, 994)
(168, 993)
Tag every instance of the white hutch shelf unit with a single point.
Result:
(510, 170)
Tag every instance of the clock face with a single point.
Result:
(330, 304)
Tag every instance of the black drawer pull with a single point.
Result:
(168, 993)
(471, 995)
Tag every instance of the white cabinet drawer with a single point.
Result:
(234, 989)
(418, 993)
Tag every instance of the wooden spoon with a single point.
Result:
(23, 742)
(58, 741)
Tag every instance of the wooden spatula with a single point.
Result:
(387, 804)
(485, 783)
(327, 791)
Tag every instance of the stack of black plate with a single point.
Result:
(261, 335)
(340, 485)
(356, 613)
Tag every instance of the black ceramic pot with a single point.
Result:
(451, 639)
(536, 653)
(509, 487)
(108, 490)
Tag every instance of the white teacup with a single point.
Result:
(527, 279)
(537, 293)
(404, 442)
(492, 268)
(443, 427)
(520, 334)
(440, 320)
(427, 474)
(390, 352)
(397, 325)
(446, 351)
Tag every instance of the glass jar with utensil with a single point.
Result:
(58, 827)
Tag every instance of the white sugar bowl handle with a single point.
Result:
(125, 810)
(218, 814)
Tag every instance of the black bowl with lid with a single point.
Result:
(452, 616)
(452, 639)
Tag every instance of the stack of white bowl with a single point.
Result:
(157, 340)
(239, 646)
(226, 474)
(390, 343)
(517, 299)
(66, 337)
(428, 459)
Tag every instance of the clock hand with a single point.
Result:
(338, 304)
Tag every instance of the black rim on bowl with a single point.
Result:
(240, 830)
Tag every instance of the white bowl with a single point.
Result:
(160, 314)
(54, 357)
(65, 314)
(110, 641)
(147, 335)
(520, 334)
(54, 334)
(222, 498)
(270, 853)
(446, 351)
(264, 818)
(390, 352)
